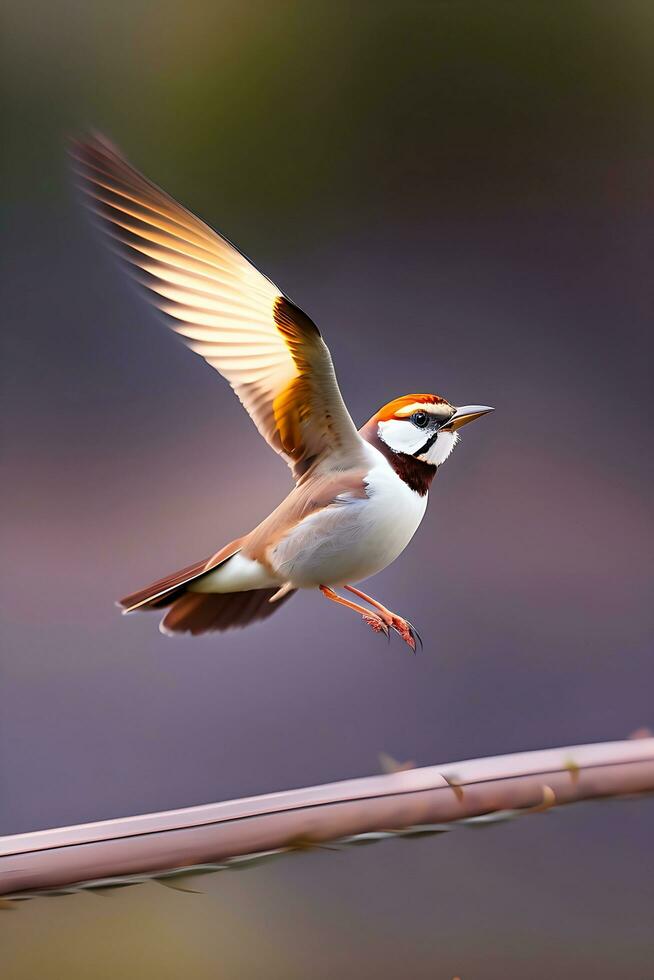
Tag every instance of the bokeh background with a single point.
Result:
(461, 194)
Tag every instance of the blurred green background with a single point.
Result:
(461, 195)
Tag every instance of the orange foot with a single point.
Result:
(391, 620)
(405, 631)
(376, 623)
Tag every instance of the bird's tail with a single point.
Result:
(196, 612)
(199, 612)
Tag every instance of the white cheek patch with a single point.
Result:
(402, 436)
(441, 449)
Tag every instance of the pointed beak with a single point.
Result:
(468, 413)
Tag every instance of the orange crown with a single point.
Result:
(398, 408)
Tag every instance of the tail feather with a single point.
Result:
(200, 612)
(165, 590)
(204, 612)
(162, 592)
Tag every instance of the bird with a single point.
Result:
(359, 494)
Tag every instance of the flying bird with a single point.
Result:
(359, 496)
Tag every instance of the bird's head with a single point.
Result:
(424, 427)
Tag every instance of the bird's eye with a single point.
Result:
(420, 419)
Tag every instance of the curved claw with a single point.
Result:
(410, 639)
(406, 632)
(416, 635)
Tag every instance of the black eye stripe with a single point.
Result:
(427, 446)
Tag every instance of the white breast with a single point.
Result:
(353, 539)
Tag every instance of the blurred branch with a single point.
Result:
(177, 843)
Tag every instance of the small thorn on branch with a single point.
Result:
(548, 801)
(454, 785)
(388, 764)
(573, 769)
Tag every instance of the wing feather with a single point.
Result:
(228, 312)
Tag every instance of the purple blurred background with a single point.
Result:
(461, 196)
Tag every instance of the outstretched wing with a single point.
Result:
(271, 353)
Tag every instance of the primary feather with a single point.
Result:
(228, 312)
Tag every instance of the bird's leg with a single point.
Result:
(401, 626)
(376, 623)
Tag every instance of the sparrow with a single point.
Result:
(359, 496)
